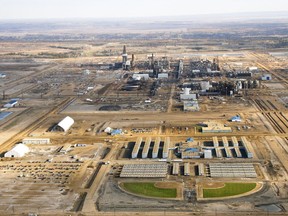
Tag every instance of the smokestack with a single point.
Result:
(132, 61)
(124, 49)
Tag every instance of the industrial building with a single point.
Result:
(10, 104)
(201, 169)
(247, 147)
(166, 148)
(187, 169)
(238, 153)
(136, 147)
(175, 169)
(215, 127)
(144, 170)
(225, 142)
(162, 76)
(235, 141)
(65, 124)
(218, 153)
(207, 154)
(187, 96)
(253, 69)
(36, 141)
(156, 147)
(228, 152)
(190, 153)
(236, 119)
(191, 105)
(139, 76)
(266, 77)
(146, 147)
(215, 142)
(232, 170)
(18, 150)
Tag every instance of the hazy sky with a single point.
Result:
(14, 9)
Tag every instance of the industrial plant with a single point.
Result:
(141, 120)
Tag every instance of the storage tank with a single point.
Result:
(186, 91)
(250, 84)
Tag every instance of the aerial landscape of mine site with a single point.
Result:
(144, 116)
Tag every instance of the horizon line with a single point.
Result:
(284, 12)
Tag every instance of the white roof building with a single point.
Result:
(65, 124)
(36, 141)
(108, 130)
(18, 150)
(138, 76)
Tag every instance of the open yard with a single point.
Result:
(149, 189)
(229, 189)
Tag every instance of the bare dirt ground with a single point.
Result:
(56, 73)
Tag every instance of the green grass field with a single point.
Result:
(230, 189)
(148, 189)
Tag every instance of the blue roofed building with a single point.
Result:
(236, 119)
(10, 104)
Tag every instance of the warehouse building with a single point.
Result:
(166, 148)
(10, 104)
(36, 141)
(215, 142)
(236, 119)
(139, 76)
(266, 77)
(201, 169)
(146, 147)
(225, 142)
(162, 76)
(136, 147)
(18, 150)
(65, 124)
(144, 171)
(235, 141)
(215, 127)
(156, 147)
(187, 96)
(207, 154)
(175, 169)
(187, 169)
(190, 153)
(192, 106)
(247, 147)
(232, 170)
(218, 152)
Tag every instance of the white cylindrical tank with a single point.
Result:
(205, 85)
(239, 85)
(186, 91)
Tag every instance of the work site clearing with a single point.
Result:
(124, 126)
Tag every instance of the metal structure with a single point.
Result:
(232, 170)
(215, 142)
(218, 152)
(166, 147)
(201, 169)
(235, 141)
(175, 170)
(146, 147)
(187, 169)
(247, 147)
(36, 141)
(225, 142)
(136, 147)
(144, 170)
(156, 147)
